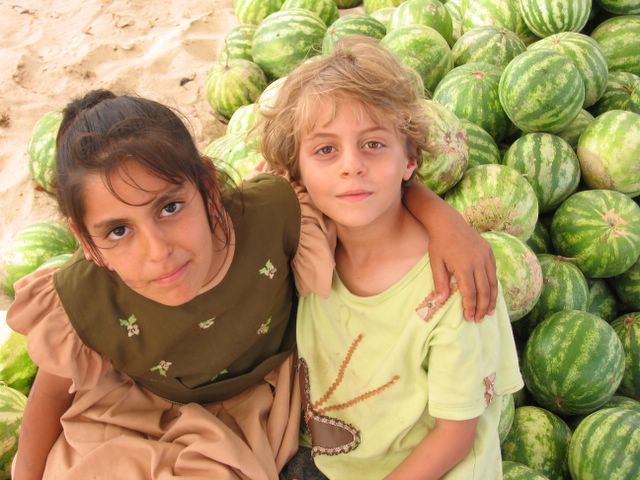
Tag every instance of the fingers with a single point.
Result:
(441, 279)
(467, 284)
(492, 278)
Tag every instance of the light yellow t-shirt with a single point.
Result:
(378, 370)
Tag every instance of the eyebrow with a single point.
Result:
(321, 134)
(158, 201)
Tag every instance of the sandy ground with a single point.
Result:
(53, 50)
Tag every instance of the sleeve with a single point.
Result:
(52, 342)
(468, 363)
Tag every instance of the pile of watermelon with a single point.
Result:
(542, 101)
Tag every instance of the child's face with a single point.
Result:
(159, 241)
(353, 166)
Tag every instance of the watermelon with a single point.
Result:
(255, 11)
(56, 261)
(627, 286)
(571, 133)
(471, 92)
(285, 39)
(235, 153)
(12, 405)
(622, 402)
(606, 445)
(541, 90)
(609, 149)
(33, 245)
(547, 17)
(586, 55)
(507, 412)
(237, 43)
(431, 13)
(423, 49)
(482, 147)
(17, 370)
(383, 15)
(518, 271)
(496, 197)
(540, 241)
(371, 6)
(42, 150)
(573, 362)
(447, 153)
(353, 24)
(244, 118)
(619, 38)
(602, 301)
(628, 329)
(621, 93)
(488, 44)
(232, 84)
(519, 471)
(599, 230)
(269, 95)
(564, 287)
(456, 20)
(539, 439)
(548, 163)
(327, 10)
(620, 7)
(497, 13)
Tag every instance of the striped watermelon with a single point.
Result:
(540, 241)
(327, 10)
(244, 118)
(609, 149)
(32, 246)
(620, 7)
(488, 44)
(371, 6)
(586, 55)
(541, 90)
(285, 39)
(519, 471)
(56, 261)
(447, 153)
(573, 362)
(383, 15)
(496, 197)
(627, 286)
(600, 230)
(232, 84)
(353, 24)
(564, 287)
(482, 147)
(42, 150)
(571, 133)
(540, 440)
(619, 38)
(234, 153)
(456, 19)
(628, 329)
(17, 370)
(549, 164)
(254, 11)
(237, 43)
(12, 404)
(606, 445)
(518, 271)
(431, 13)
(498, 13)
(471, 92)
(547, 17)
(622, 402)
(423, 49)
(507, 412)
(621, 93)
(602, 301)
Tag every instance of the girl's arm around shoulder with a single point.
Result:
(48, 399)
(444, 447)
(455, 249)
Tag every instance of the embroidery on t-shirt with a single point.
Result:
(268, 270)
(224, 371)
(132, 326)
(161, 367)
(489, 383)
(428, 307)
(264, 328)
(330, 435)
(207, 323)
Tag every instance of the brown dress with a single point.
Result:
(227, 411)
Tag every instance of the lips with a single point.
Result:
(171, 276)
(354, 195)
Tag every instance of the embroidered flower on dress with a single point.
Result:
(264, 328)
(207, 323)
(489, 383)
(161, 368)
(268, 270)
(132, 327)
(224, 371)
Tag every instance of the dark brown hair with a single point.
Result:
(100, 131)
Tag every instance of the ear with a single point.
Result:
(412, 160)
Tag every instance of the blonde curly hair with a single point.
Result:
(358, 69)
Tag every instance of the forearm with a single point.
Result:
(442, 449)
(429, 208)
(48, 400)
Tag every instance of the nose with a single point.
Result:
(352, 162)
(156, 243)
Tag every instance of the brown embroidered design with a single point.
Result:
(489, 383)
(430, 304)
(332, 436)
